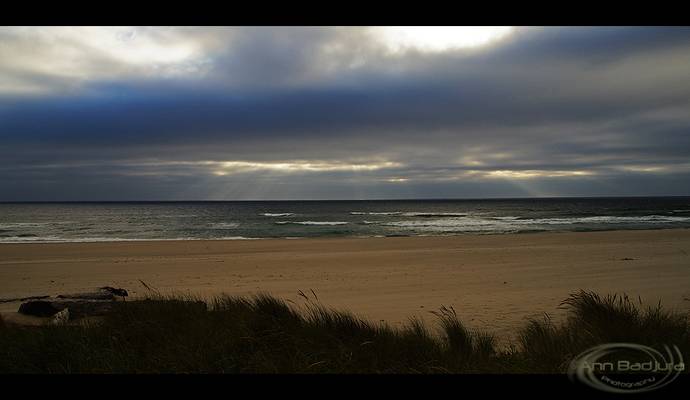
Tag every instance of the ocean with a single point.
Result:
(246, 220)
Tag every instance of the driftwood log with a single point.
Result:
(78, 305)
(103, 293)
(23, 299)
(77, 308)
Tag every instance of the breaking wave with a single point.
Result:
(58, 239)
(515, 224)
(411, 214)
(312, 222)
(224, 225)
(376, 213)
(431, 215)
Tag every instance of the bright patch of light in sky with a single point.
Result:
(128, 44)
(440, 38)
(64, 55)
(228, 167)
(529, 174)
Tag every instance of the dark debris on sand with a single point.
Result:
(79, 305)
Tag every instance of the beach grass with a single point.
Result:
(593, 320)
(264, 334)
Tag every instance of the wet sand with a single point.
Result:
(494, 282)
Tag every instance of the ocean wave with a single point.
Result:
(76, 229)
(607, 219)
(451, 224)
(311, 222)
(57, 239)
(29, 238)
(411, 214)
(431, 215)
(376, 213)
(11, 225)
(514, 224)
(277, 214)
(224, 225)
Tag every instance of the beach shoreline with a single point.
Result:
(334, 237)
(495, 282)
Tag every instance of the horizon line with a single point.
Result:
(382, 199)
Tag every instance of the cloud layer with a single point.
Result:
(308, 112)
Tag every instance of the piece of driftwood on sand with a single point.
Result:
(73, 306)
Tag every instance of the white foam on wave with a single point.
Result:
(277, 214)
(11, 225)
(514, 224)
(37, 239)
(607, 219)
(432, 214)
(411, 213)
(376, 213)
(224, 225)
(57, 239)
(312, 222)
(453, 225)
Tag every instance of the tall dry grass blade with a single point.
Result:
(149, 288)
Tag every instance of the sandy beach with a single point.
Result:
(494, 282)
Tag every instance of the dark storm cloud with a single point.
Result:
(555, 111)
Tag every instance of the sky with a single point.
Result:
(280, 113)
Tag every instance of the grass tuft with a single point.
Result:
(264, 334)
(616, 318)
(593, 320)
